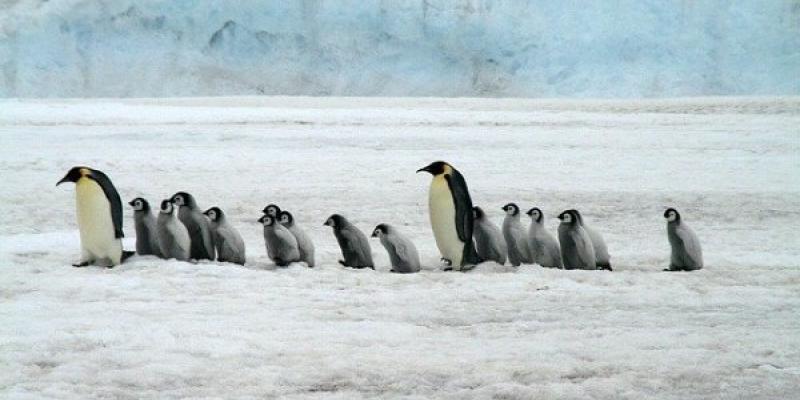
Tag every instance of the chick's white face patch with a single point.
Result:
(671, 217)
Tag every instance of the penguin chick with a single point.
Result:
(281, 244)
(544, 248)
(197, 225)
(146, 231)
(686, 252)
(173, 237)
(227, 240)
(402, 252)
(272, 210)
(600, 248)
(450, 208)
(353, 243)
(99, 211)
(516, 237)
(576, 246)
(489, 240)
(304, 243)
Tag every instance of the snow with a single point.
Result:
(535, 48)
(164, 329)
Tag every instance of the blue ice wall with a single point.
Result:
(537, 48)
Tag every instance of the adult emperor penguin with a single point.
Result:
(281, 244)
(304, 243)
(173, 237)
(197, 224)
(576, 246)
(402, 252)
(450, 208)
(543, 245)
(99, 210)
(355, 247)
(145, 223)
(227, 240)
(516, 237)
(686, 252)
(489, 240)
(600, 248)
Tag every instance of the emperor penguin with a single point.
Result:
(600, 248)
(197, 224)
(355, 247)
(173, 237)
(516, 237)
(99, 211)
(402, 252)
(577, 251)
(686, 252)
(227, 240)
(145, 223)
(281, 244)
(489, 240)
(450, 208)
(304, 243)
(544, 248)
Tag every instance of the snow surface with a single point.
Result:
(531, 48)
(165, 329)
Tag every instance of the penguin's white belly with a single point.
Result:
(443, 221)
(95, 224)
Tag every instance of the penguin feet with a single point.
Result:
(126, 254)
(448, 264)
(81, 264)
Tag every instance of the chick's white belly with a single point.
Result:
(443, 221)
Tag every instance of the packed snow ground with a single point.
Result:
(165, 329)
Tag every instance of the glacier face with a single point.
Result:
(537, 48)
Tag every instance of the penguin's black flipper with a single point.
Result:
(463, 205)
(126, 254)
(114, 201)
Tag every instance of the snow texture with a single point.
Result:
(537, 48)
(154, 329)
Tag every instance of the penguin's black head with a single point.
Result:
(139, 204)
(535, 213)
(379, 230)
(286, 218)
(436, 168)
(214, 213)
(335, 221)
(272, 210)
(672, 215)
(477, 213)
(267, 220)
(75, 174)
(511, 209)
(577, 215)
(166, 206)
(183, 199)
(568, 217)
